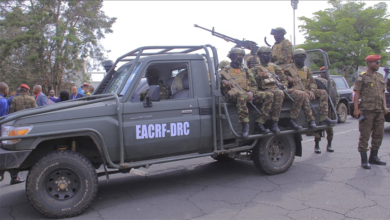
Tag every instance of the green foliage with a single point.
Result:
(46, 41)
(348, 32)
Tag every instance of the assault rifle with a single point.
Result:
(277, 80)
(296, 77)
(250, 45)
(236, 87)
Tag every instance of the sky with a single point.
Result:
(158, 23)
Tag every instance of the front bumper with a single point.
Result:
(12, 159)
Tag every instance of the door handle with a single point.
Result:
(186, 111)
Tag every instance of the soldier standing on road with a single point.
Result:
(246, 80)
(300, 77)
(370, 87)
(152, 77)
(264, 76)
(23, 100)
(329, 131)
(282, 51)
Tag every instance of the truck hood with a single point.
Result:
(66, 112)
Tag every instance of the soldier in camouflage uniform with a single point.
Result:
(388, 85)
(152, 77)
(246, 80)
(23, 100)
(300, 77)
(370, 87)
(224, 64)
(282, 51)
(264, 74)
(329, 131)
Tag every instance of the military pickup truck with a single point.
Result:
(63, 145)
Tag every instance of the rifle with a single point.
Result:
(296, 77)
(250, 45)
(236, 87)
(277, 80)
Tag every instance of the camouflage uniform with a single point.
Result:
(282, 52)
(329, 131)
(247, 82)
(164, 92)
(268, 85)
(388, 85)
(309, 84)
(371, 90)
(301, 100)
(22, 102)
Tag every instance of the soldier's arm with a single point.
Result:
(282, 76)
(335, 88)
(357, 88)
(312, 82)
(12, 107)
(252, 81)
(388, 85)
(142, 95)
(33, 103)
(286, 55)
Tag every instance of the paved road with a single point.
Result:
(325, 186)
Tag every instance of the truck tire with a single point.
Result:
(62, 184)
(275, 154)
(225, 157)
(323, 84)
(342, 112)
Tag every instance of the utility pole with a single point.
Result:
(294, 4)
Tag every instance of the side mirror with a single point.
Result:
(154, 95)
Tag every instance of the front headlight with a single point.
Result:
(14, 130)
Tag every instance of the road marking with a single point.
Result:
(338, 133)
(138, 172)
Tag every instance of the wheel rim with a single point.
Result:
(276, 151)
(343, 113)
(62, 184)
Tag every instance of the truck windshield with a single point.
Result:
(120, 76)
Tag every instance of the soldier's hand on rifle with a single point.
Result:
(311, 95)
(291, 80)
(227, 83)
(250, 96)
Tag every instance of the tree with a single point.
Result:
(46, 41)
(348, 32)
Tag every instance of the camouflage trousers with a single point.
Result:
(277, 103)
(373, 125)
(329, 135)
(301, 100)
(329, 131)
(240, 98)
(322, 95)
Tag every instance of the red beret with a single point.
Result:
(85, 85)
(322, 68)
(24, 86)
(372, 58)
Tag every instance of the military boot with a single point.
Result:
(262, 129)
(317, 149)
(275, 128)
(329, 146)
(365, 163)
(312, 124)
(328, 122)
(294, 124)
(374, 159)
(245, 130)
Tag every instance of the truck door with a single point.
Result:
(171, 126)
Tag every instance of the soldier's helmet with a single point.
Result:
(264, 49)
(299, 51)
(236, 50)
(278, 30)
(223, 63)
